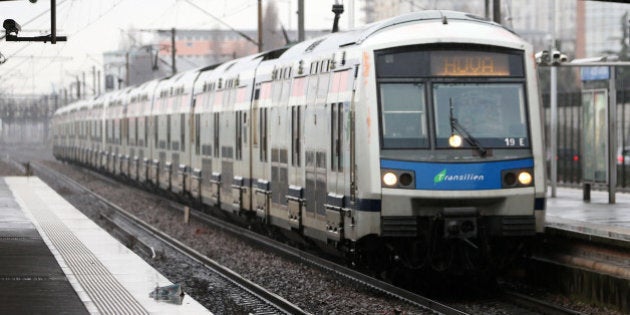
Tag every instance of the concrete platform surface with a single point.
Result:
(597, 218)
(108, 277)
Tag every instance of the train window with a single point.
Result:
(295, 135)
(126, 130)
(216, 129)
(168, 131)
(182, 132)
(403, 115)
(156, 120)
(146, 131)
(471, 104)
(335, 132)
(245, 127)
(263, 135)
(238, 135)
(197, 133)
(135, 132)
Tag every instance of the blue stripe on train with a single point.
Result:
(458, 176)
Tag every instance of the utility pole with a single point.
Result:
(301, 20)
(126, 71)
(487, 9)
(173, 51)
(93, 80)
(553, 104)
(496, 11)
(78, 88)
(84, 86)
(260, 30)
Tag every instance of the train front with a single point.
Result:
(460, 143)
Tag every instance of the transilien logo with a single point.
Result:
(439, 177)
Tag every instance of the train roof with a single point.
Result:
(334, 41)
(311, 47)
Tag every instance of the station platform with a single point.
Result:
(53, 259)
(596, 218)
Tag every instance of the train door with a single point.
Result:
(338, 178)
(217, 133)
(279, 139)
(260, 150)
(124, 142)
(205, 133)
(194, 182)
(188, 141)
(316, 152)
(228, 134)
(295, 196)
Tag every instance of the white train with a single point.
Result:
(415, 140)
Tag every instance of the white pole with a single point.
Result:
(553, 103)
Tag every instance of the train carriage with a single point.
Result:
(413, 141)
(115, 138)
(170, 118)
(94, 119)
(138, 114)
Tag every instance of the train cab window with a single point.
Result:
(403, 117)
(469, 105)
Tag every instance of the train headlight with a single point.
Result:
(525, 178)
(390, 179)
(393, 178)
(455, 141)
(517, 178)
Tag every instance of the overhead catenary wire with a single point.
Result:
(222, 22)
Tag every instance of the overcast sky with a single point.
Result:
(96, 26)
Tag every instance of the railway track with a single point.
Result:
(515, 301)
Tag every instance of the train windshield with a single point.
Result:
(491, 114)
(403, 115)
(431, 94)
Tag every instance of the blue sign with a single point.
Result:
(595, 73)
(458, 176)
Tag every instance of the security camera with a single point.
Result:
(542, 57)
(557, 57)
(32, 1)
(11, 26)
(563, 58)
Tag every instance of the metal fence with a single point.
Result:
(570, 138)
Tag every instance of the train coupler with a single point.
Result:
(460, 222)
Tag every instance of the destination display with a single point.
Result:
(469, 63)
(409, 62)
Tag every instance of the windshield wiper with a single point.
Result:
(456, 126)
